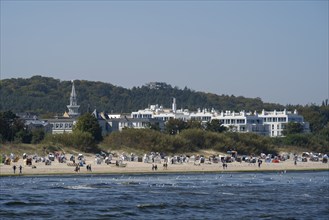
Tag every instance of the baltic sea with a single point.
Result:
(268, 195)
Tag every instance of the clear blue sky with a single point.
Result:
(275, 50)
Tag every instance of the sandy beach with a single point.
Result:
(141, 167)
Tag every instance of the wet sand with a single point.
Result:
(57, 168)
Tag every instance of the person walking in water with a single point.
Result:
(14, 168)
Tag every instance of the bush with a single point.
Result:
(82, 141)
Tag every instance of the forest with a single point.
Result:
(47, 97)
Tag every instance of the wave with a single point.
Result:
(99, 185)
(86, 186)
(21, 203)
(230, 194)
(150, 205)
(78, 187)
(193, 193)
(130, 183)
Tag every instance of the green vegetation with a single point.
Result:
(81, 141)
(12, 129)
(48, 97)
(89, 124)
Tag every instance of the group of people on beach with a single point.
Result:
(20, 169)
(165, 166)
(154, 167)
(77, 168)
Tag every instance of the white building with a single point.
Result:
(118, 124)
(242, 122)
(202, 116)
(158, 112)
(277, 121)
(268, 123)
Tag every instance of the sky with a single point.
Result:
(273, 50)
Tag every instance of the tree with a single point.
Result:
(174, 126)
(88, 123)
(194, 124)
(5, 121)
(153, 126)
(37, 136)
(215, 126)
(12, 127)
(293, 128)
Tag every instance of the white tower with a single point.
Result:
(73, 107)
(174, 107)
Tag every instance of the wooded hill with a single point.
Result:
(48, 97)
(44, 95)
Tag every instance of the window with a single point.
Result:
(240, 121)
(282, 119)
(250, 121)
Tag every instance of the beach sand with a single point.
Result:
(140, 167)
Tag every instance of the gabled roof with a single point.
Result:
(97, 115)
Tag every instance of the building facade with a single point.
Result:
(267, 123)
(277, 120)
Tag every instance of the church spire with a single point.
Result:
(73, 97)
(73, 107)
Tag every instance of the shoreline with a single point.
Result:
(160, 173)
(140, 168)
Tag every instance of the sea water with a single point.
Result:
(270, 195)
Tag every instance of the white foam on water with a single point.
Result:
(79, 187)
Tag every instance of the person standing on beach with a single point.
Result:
(20, 169)
(259, 162)
(77, 168)
(14, 168)
(295, 159)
